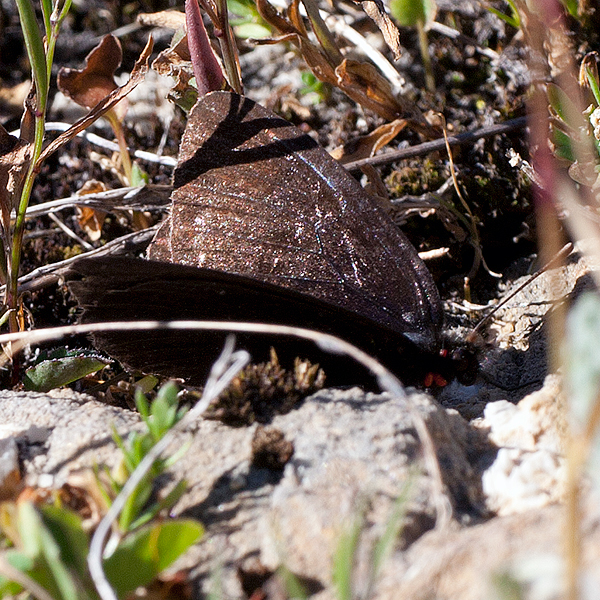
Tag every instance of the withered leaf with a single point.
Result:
(364, 84)
(376, 11)
(14, 162)
(90, 219)
(137, 75)
(175, 62)
(360, 81)
(367, 145)
(170, 19)
(90, 85)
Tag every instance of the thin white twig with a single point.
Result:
(101, 142)
(457, 35)
(125, 198)
(70, 232)
(223, 371)
(126, 242)
(387, 69)
(386, 380)
(342, 28)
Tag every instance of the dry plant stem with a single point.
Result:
(323, 34)
(424, 48)
(68, 231)
(436, 145)
(229, 50)
(143, 197)
(340, 27)
(336, 24)
(456, 35)
(50, 274)
(557, 260)
(26, 582)
(476, 243)
(97, 140)
(227, 366)
(117, 126)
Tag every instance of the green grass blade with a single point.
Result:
(35, 50)
(47, 12)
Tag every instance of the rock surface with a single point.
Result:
(353, 454)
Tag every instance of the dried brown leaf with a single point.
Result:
(367, 145)
(295, 18)
(320, 29)
(27, 131)
(269, 13)
(360, 81)
(137, 75)
(175, 62)
(90, 85)
(91, 220)
(376, 188)
(376, 11)
(170, 19)
(15, 155)
(364, 84)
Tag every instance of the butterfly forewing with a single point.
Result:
(257, 197)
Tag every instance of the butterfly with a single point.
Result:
(264, 226)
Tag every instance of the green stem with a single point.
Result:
(41, 60)
(17, 237)
(424, 47)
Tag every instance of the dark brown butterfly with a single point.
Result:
(281, 233)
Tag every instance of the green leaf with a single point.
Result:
(165, 503)
(143, 554)
(20, 561)
(47, 12)
(138, 176)
(292, 584)
(593, 83)
(563, 147)
(513, 21)
(384, 546)
(67, 530)
(35, 50)
(344, 558)
(242, 8)
(146, 384)
(410, 12)
(572, 7)
(252, 30)
(564, 107)
(135, 503)
(48, 570)
(55, 373)
(163, 411)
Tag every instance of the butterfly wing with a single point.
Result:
(127, 289)
(255, 196)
